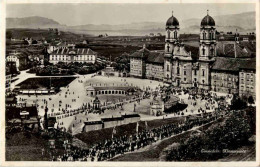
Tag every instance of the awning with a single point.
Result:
(25, 91)
(44, 91)
(32, 91)
(38, 91)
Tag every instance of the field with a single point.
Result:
(113, 46)
(117, 45)
(39, 34)
(45, 82)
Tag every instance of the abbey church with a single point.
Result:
(182, 67)
(221, 66)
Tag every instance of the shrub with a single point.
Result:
(233, 134)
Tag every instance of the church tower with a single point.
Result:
(207, 38)
(171, 40)
(207, 50)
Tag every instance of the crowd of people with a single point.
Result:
(117, 146)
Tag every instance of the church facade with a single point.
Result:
(204, 66)
(185, 67)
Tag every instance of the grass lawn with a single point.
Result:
(25, 153)
(20, 147)
(44, 82)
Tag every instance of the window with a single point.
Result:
(178, 70)
(203, 73)
(168, 68)
(203, 51)
(211, 35)
(204, 35)
(184, 79)
(195, 72)
(175, 34)
(203, 82)
(169, 34)
(168, 48)
(212, 52)
(184, 72)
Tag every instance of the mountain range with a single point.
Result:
(243, 22)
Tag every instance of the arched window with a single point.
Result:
(212, 51)
(210, 35)
(168, 48)
(168, 68)
(204, 35)
(203, 82)
(169, 34)
(203, 51)
(178, 70)
(175, 34)
(167, 75)
(203, 73)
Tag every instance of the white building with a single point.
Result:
(69, 55)
(17, 58)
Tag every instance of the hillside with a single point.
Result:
(31, 22)
(40, 34)
(243, 22)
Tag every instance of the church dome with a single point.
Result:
(207, 21)
(172, 21)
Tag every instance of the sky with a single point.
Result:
(81, 14)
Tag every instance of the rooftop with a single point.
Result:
(93, 122)
(77, 51)
(130, 115)
(233, 64)
(112, 119)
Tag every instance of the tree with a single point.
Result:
(237, 103)
(9, 35)
(251, 100)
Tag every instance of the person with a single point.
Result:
(43, 151)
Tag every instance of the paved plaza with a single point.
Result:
(73, 97)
